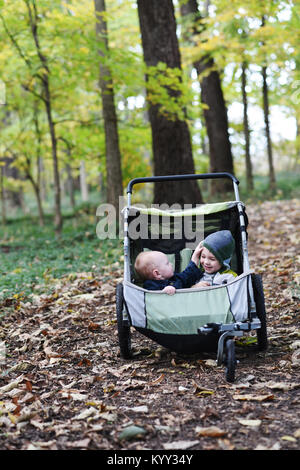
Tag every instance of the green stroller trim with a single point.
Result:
(189, 309)
(201, 209)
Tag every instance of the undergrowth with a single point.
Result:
(32, 258)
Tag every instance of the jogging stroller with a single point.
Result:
(193, 320)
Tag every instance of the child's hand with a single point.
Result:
(170, 290)
(202, 284)
(197, 253)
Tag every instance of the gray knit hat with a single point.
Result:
(221, 245)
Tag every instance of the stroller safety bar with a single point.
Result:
(154, 179)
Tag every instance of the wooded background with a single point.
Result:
(95, 93)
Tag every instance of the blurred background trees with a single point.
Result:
(96, 93)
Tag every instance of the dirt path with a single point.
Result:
(64, 386)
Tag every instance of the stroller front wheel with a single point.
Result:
(230, 360)
(262, 338)
(123, 328)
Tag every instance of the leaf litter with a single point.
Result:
(63, 384)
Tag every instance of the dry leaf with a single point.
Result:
(210, 431)
(158, 380)
(11, 385)
(250, 422)
(132, 432)
(248, 397)
(289, 438)
(180, 445)
(86, 414)
(139, 409)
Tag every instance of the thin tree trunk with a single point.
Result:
(83, 183)
(215, 112)
(70, 185)
(44, 77)
(70, 180)
(58, 221)
(113, 156)
(2, 194)
(37, 192)
(249, 175)
(171, 142)
(272, 179)
(37, 185)
(297, 146)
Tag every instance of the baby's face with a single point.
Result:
(163, 266)
(209, 262)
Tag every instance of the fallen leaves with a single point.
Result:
(64, 386)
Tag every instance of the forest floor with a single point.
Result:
(64, 386)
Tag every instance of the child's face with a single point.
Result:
(209, 261)
(163, 267)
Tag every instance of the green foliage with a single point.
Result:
(231, 33)
(32, 258)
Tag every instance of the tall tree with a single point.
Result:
(215, 111)
(39, 69)
(113, 155)
(249, 173)
(171, 142)
(272, 180)
(44, 77)
(2, 194)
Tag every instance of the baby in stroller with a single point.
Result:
(214, 252)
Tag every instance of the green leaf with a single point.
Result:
(132, 432)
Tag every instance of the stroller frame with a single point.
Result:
(225, 332)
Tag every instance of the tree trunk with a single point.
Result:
(249, 175)
(44, 77)
(70, 185)
(171, 142)
(37, 184)
(37, 192)
(215, 112)
(58, 221)
(2, 195)
(272, 180)
(83, 184)
(113, 156)
(297, 146)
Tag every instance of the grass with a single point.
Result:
(32, 257)
(287, 187)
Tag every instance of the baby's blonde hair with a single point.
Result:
(145, 263)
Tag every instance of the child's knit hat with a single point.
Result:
(221, 245)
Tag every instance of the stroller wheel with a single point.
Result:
(230, 360)
(262, 339)
(123, 328)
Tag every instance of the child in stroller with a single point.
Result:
(215, 251)
(194, 320)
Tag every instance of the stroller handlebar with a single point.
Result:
(154, 179)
